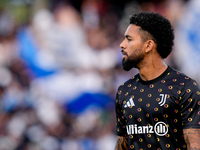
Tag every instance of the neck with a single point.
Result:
(152, 70)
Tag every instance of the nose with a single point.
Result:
(122, 45)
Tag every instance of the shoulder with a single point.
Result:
(178, 75)
(128, 83)
(188, 84)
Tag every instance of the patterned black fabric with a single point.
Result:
(153, 114)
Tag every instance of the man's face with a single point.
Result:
(132, 48)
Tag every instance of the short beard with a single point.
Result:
(129, 64)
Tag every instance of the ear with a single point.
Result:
(149, 45)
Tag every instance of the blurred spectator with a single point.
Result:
(187, 48)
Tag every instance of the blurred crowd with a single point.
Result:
(61, 67)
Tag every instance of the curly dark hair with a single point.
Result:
(158, 27)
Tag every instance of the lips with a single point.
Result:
(124, 55)
(123, 52)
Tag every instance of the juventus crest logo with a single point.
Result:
(163, 99)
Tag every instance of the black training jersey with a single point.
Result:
(153, 114)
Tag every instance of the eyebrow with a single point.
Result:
(127, 36)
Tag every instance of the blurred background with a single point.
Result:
(60, 67)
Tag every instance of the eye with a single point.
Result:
(129, 39)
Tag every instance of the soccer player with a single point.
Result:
(159, 108)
